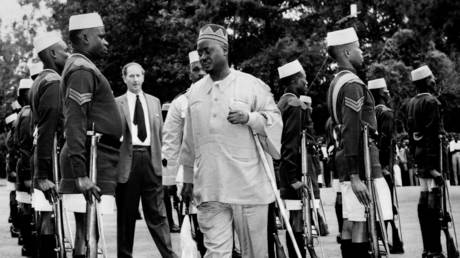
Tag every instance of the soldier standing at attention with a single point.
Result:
(46, 105)
(351, 105)
(88, 103)
(425, 126)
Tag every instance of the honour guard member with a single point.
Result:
(424, 124)
(173, 132)
(46, 105)
(351, 105)
(23, 141)
(89, 107)
(386, 144)
(140, 169)
(295, 115)
(229, 184)
(11, 158)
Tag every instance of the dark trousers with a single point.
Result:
(142, 183)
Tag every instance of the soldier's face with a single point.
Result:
(196, 71)
(60, 54)
(213, 57)
(134, 78)
(355, 55)
(98, 45)
(301, 84)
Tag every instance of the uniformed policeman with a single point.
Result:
(386, 144)
(424, 126)
(351, 105)
(295, 115)
(46, 105)
(88, 103)
(23, 141)
(11, 159)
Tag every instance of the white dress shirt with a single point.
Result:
(228, 167)
(131, 105)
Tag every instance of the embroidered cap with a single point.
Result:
(305, 99)
(290, 69)
(421, 73)
(213, 32)
(376, 84)
(35, 68)
(85, 21)
(193, 57)
(341, 37)
(45, 40)
(10, 119)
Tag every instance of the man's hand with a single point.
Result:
(388, 177)
(88, 188)
(297, 185)
(187, 192)
(48, 188)
(360, 190)
(164, 162)
(238, 117)
(28, 183)
(438, 179)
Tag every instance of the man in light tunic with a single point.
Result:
(229, 185)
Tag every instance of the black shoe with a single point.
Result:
(397, 249)
(174, 229)
(14, 231)
(435, 255)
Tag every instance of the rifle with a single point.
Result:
(374, 209)
(307, 200)
(91, 217)
(63, 245)
(446, 218)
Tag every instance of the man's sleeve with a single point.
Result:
(77, 101)
(291, 145)
(266, 120)
(187, 152)
(173, 132)
(48, 118)
(351, 105)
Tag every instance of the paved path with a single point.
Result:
(144, 246)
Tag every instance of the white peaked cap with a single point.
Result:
(421, 73)
(10, 119)
(306, 99)
(290, 69)
(341, 37)
(25, 84)
(193, 56)
(35, 68)
(376, 84)
(44, 40)
(85, 21)
(15, 105)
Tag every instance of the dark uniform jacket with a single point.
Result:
(385, 125)
(46, 104)
(296, 117)
(351, 107)
(424, 126)
(23, 140)
(11, 156)
(88, 101)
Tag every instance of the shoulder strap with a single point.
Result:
(342, 78)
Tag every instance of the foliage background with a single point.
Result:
(397, 36)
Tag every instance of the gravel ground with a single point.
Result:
(144, 246)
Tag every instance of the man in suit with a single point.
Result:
(139, 168)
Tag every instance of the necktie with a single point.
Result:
(139, 120)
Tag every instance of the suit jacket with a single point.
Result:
(126, 149)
